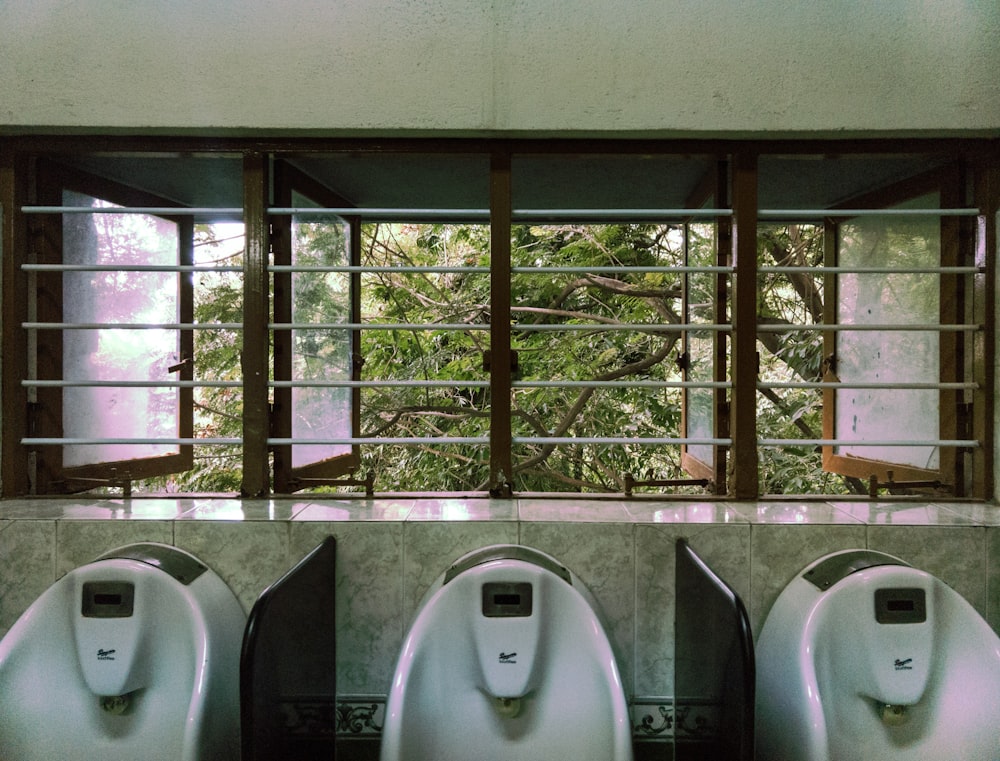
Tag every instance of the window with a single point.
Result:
(501, 317)
(106, 375)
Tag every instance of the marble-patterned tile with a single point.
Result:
(978, 513)
(430, 548)
(574, 510)
(778, 552)
(464, 510)
(799, 512)
(90, 509)
(954, 554)
(687, 512)
(655, 604)
(222, 509)
(145, 509)
(248, 556)
(81, 541)
(356, 510)
(602, 555)
(993, 577)
(878, 513)
(369, 599)
(27, 569)
(725, 548)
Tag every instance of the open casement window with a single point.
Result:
(707, 247)
(108, 357)
(315, 361)
(897, 354)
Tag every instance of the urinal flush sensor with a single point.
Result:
(900, 606)
(107, 599)
(507, 599)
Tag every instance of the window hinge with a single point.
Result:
(829, 367)
(964, 419)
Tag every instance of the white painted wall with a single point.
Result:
(651, 67)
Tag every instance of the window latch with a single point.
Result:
(186, 362)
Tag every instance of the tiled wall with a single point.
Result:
(391, 551)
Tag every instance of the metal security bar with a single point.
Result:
(814, 214)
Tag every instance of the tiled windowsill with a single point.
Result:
(527, 509)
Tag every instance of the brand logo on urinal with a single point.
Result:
(105, 655)
(508, 657)
(904, 665)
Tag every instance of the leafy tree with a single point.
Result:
(566, 327)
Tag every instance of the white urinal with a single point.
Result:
(864, 658)
(507, 659)
(133, 656)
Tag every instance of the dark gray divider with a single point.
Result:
(288, 667)
(713, 664)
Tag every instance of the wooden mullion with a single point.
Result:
(256, 338)
(501, 437)
(744, 478)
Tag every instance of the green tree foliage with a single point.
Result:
(565, 327)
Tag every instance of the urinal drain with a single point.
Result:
(117, 705)
(893, 716)
(507, 707)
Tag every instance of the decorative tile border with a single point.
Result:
(661, 719)
(360, 716)
(653, 719)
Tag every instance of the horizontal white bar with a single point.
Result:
(70, 442)
(486, 384)
(428, 384)
(374, 441)
(539, 440)
(160, 211)
(378, 440)
(868, 443)
(381, 384)
(132, 325)
(517, 214)
(862, 385)
(819, 270)
(523, 327)
(618, 440)
(621, 384)
(821, 213)
(377, 212)
(126, 268)
(610, 214)
(361, 269)
(129, 384)
(546, 270)
(633, 326)
(378, 326)
(887, 327)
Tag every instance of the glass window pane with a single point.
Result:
(324, 354)
(113, 354)
(889, 357)
(701, 308)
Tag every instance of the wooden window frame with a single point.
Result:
(46, 414)
(964, 414)
(952, 413)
